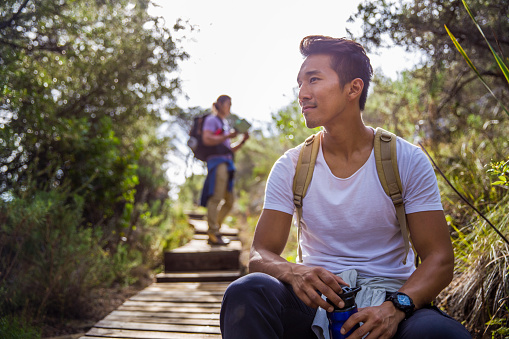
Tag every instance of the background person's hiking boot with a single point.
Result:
(217, 239)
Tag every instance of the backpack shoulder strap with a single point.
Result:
(388, 173)
(302, 178)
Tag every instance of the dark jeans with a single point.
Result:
(259, 306)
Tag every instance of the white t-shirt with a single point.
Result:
(351, 223)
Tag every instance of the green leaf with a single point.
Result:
(500, 62)
(469, 62)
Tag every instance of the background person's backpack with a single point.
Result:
(386, 165)
(195, 142)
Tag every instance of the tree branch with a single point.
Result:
(14, 16)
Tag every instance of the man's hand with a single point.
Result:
(379, 321)
(307, 282)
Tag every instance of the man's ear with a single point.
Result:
(356, 87)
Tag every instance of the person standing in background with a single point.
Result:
(218, 185)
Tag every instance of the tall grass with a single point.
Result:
(479, 293)
(480, 289)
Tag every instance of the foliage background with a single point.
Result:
(82, 165)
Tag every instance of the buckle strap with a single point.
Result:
(297, 200)
(397, 199)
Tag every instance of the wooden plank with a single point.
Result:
(178, 298)
(169, 309)
(164, 320)
(201, 227)
(202, 286)
(217, 276)
(193, 261)
(199, 245)
(128, 334)
(195, 215)
(169, 288)
(165, 315)
(198, 255)
(131, 302)
(178, 292)
(138, 326)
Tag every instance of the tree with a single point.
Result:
(79, 83)
(449, 84)
(80, 157)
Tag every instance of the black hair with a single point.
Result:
(348, 58)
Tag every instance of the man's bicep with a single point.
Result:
(429, 233)
(272, 231)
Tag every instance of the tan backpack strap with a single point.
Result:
(388, 173)
(302, 178)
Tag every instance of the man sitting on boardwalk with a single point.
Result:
(350, 232)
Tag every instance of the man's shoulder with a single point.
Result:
(405, 148)
(285, 165)
(291, 155)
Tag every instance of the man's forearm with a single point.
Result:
(428, 280)
(270, 263)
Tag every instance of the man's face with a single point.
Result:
(320, 94)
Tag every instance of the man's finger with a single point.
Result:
(341, 281)
(353, 320)
(331, 288)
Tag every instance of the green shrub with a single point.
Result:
(16, 328)
(50, 261)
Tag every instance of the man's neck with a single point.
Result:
(346, 149)
(347, 137)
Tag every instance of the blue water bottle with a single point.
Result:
(338, 317)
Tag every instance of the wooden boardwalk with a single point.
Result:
(185, 301)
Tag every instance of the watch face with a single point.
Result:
(403, 300)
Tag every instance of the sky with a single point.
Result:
(249, 50)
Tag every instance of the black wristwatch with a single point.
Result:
(402, 302)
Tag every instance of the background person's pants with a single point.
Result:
(259, 306)
(216, 216)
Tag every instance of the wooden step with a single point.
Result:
(199, 276)
(198, 255)
(203, 236)
(201, 227)
(196, 215)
